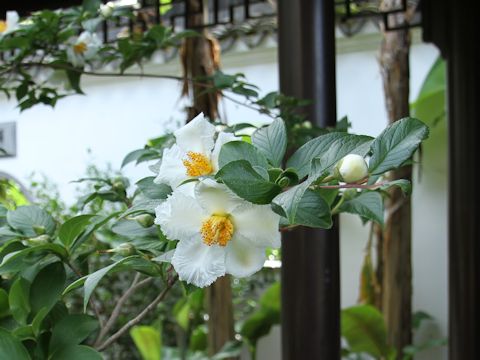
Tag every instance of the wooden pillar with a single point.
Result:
(453, 27)
(310, 258)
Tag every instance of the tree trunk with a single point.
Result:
(395, 260)
(220, 312)
(200, 58)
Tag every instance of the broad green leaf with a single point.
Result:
(286, 203)
(144, 206)
(132, 229)
(91, 281)
(73, 227)
(4, 308)
(430, 103)
(18, 260)
(244, 181)
(26, 218)
(23, 333)
(403, 184)
(231, 349)
(71, 330)
(301, 160)
(396, 144)
(271, 298)
(369, 205)
(259, 324)
(241, 150)
(11, 347)
(141, 155)
(47, 287)
(350, 144)
(74, 78)
(77, 352)
(364, 329)
(38, 320)
(199, 339)
(153, 191)
(181, 312)
(18, 300)
(148, 341)
(313, 211)
(94, 225)
(271, 141)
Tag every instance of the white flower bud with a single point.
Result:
(106, 10)
(351, 168)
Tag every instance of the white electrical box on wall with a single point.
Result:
(8, 139)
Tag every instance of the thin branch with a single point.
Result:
(118, 307)
(139, 317)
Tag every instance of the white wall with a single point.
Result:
(119, 115)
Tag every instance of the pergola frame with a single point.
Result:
(310, 274)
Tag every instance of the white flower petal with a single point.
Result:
(180, 217)
(243, 258)
(257, 223)
(216, 198)
(196, 136)
(172, 171)
(197, 263)
(222, 139)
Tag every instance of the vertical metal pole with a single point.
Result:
(310, 258)
(463, 61)
(452, 25)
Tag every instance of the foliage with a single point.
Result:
(111, 233)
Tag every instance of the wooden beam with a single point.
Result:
(310, 258)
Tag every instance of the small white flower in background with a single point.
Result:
(10, 24)
(352, 168)
(218, 233)
(83, 48)
(195, 153)
(106, 10)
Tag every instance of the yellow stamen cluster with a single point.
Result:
(217, 230)
(3, 26)
(197, 164)
(80, 48)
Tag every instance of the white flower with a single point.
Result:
(352, 168)
(194, 154)
(10, 24)
(218, 233)
(106, 10)
(83, 48)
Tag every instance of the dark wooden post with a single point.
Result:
(310, 258)
(452, 25)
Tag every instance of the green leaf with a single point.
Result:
(364, 329)
(71, 330)
(259, 324)
(313, 211)
(271, 141)
(74, 80)
(4, 307)
(403, 184)
(91, 6)
(132, 229)
(369, 205)
(18, 300)
(148, 341)
(73, 227)
(153, 191)
(231, 349)
(144, 206)
(77, 352)
(396, 144)
(47, 287)
(25, 218)
(94, 225)
(140, 155)
(301, 160)
(11, 348)
(271, 298)
(18, 260)
(38, 320)
(241, 150)
(91, 281)
(244, 181)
